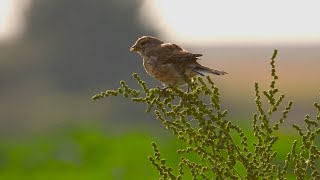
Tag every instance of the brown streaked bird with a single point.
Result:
(169, 63)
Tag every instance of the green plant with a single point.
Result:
(196, 118)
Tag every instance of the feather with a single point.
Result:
(200, 73)
(201, 70)
(172, 53)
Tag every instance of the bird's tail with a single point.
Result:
(201, 70)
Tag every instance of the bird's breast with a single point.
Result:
(150, 65)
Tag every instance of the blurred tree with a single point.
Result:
(86, 40)
(69, 51)
(74, 42)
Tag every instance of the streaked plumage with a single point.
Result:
(169, 63)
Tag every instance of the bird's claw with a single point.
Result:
(164, 91)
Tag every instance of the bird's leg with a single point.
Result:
(189, 87)
(188, 90)
(187, 80)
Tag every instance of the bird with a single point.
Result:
(169, 63)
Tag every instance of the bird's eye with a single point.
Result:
(143, 43)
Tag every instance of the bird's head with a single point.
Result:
(143, 44)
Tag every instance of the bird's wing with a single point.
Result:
(172, 53)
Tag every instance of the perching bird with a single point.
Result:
(169, 63)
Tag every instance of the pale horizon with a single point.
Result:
(12, 18)
(211, 22)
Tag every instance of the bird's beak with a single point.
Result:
(133, 48)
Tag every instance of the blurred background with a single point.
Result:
(56, 54)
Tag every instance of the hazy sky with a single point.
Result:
(12, 18)
(242, 22)
(211, 22)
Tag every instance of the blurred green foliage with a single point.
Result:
(77, 154)
(83, 153)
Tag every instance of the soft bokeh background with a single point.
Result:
(56, 54)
